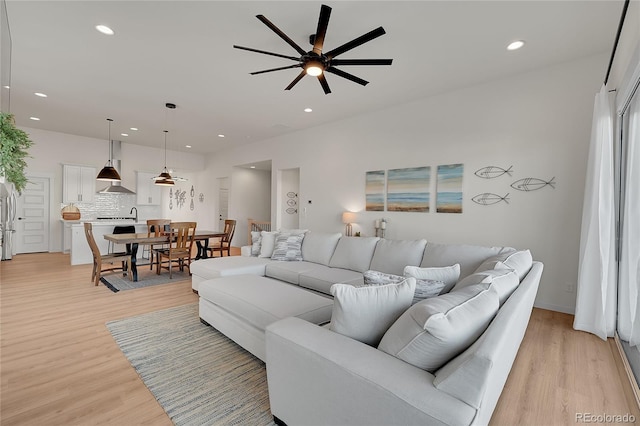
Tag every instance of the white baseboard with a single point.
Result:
(557, 308)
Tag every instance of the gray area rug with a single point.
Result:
(198, 375)
(146, 278)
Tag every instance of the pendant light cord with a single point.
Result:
(110, 144)
(165, 148)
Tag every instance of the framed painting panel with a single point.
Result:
(408, 189)
(449, 196)
(374, 191)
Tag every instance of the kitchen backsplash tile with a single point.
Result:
(115, 205)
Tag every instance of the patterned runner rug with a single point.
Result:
(146, 278)
(198, 375)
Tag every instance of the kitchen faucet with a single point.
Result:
(131, 211)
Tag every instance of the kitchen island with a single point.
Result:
(80, 250)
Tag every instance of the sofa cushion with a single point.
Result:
(260, 301)
(288, 247)
(435, 330)
(520, 261)
(229, 265)
(391, 256)
(502, 281)
(319, 247)
(322, 278)
(354, 253)
(365, 313)
(447, 274)
(468, 256)
(289, 271)
(267, 243)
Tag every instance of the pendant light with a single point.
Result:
(108, 172)
(164, 178)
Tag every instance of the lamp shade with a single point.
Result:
(349, 217)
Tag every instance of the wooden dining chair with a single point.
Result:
(99, 259)
(181, 237)
(225, 242)
(154, 228)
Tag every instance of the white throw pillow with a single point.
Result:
(365, 313)
(520, 261)
(268, 243)
(432, 332)
(502, 281)
(448, 275)
(288, 247)
(256, 243)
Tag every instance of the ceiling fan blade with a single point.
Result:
(266, 53)
(282, 35)
(276, 69)
(323, 82)
(346, 75)
(361, 62)
(323, 23)
(296, 80)
(356, 42)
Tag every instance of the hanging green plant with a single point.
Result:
(14, 144)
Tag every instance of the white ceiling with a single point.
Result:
(181, 52)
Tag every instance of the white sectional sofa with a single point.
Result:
(276, 310)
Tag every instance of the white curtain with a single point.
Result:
(596, 298)
(629, 304)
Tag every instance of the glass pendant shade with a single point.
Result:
(108, 172)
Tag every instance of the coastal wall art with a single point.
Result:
(449, 184)
(408, 189)
(374, 191)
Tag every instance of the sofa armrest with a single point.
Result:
(245, 251)
(316, 376)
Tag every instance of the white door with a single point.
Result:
(32, 218)
(223, 204)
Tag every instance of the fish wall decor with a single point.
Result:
(532, 184)
(492, 172)
(488, 199)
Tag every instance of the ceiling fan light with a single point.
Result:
(314, 68)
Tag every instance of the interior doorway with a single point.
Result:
(33, 216)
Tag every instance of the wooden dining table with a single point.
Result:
(201, 238)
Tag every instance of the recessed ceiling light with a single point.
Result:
(187, 146)
(221, 136)
(515, 45)
(252, 167)
(42, 95)
(34, 118)
(134, 128)
(7, 87)
(124, 134)
(105, 30)
(308, 110)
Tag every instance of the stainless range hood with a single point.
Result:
(116, 187)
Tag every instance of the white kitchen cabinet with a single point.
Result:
(147, 192)
(78, 184)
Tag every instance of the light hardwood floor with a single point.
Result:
(60, 366)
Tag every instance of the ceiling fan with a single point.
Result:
(316, 62)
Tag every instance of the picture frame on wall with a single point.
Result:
(374, 190)
(408, 189)
(449, 188)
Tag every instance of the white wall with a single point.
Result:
(539, 123)
(249, 198)
(289, 182)
(51, 149)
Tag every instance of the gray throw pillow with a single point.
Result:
(288, 247)
(424, 288)
(256, 243)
